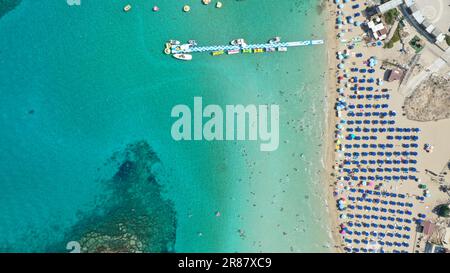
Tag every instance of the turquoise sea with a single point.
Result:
(86, 151)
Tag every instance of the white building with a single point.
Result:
(389, 5)
(409, 3)
(379, 31)
(428, 26)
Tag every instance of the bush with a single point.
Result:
(390, 16)
(444, 211)
(447, 39)
(395, 38)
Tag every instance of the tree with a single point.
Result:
(444, 211)
(447, 39)
(390, 16)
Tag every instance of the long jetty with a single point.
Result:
(189, 48)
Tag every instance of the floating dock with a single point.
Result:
(268, 47)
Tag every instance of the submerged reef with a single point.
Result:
(7, 6)
(134, 216)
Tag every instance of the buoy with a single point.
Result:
(206, 2)
(155, 8)
(186, 8)
(219, 5)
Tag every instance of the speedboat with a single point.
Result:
(275, 40)
(282, 49)
(237, 42)
(174, 42)
(127, 8)
(192, 42)
(184, 57)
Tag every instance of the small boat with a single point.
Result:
(127, 8)
(233, 51)
(258, 50)
(270, 49)
(174, 42)
(184, 57)
(217, 53)
(246, 50)
(282, 49)
(275, 40)
(238, 42)
(192, 42)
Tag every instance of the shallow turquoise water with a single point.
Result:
(81, 82)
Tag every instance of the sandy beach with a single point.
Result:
(332, 46)
(429, 166)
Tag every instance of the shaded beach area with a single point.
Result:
(383, 192)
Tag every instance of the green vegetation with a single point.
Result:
(417, 44)
(390, 16)
(447, 39)
(395, 38)
(444, 211)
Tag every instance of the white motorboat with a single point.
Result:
(238, 42)
(275, 40)
(184, 57)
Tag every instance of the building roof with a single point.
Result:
(428, 227)
(409, 3)
(440, 37)
(389, 5)
(396, 75)
(379, 31)
(376, 27)
(426, 23)
(418, 17)
(430, 28)
(436, 32)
